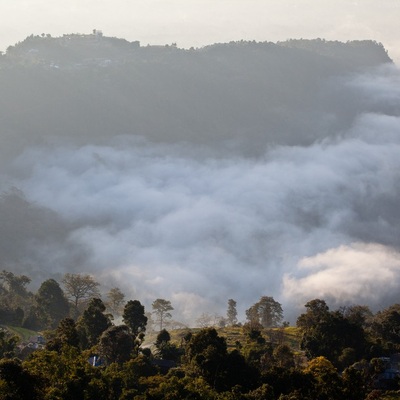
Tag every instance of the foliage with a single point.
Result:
(234, 363)
(164, 348)
(115, 301)
(116, 344)
(330, 334)
(15, 299)
(17, 383)
(162, 308)
(231, 313)
(92, 323)
(66, 334)
(328, 383)
(206, 353)
(8, 343)
(66, 375)
(266, 311)
(13, 286)
(134, 317)
(52, 303)
(80, 288)
(386, 324)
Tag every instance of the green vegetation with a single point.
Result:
(24, 334)
(348, 353)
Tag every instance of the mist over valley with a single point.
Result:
(235, 170)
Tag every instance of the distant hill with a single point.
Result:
(233, 97)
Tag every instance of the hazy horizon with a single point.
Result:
(199, 23)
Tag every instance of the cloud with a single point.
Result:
(359, 272)
(297, 223)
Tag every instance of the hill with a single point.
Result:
(233, 97)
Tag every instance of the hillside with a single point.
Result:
(287, 335)
(234, 97)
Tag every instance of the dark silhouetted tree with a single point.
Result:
(92, 323)
(116, 344)
(65, 334)
(134, 317)
(52, 303)
(17, 383)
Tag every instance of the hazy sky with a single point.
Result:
(196, 23)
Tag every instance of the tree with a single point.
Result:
(17, 383)
(115, 300)
(266, 311)
(52, 303)
(317, 311)
(161, 309)
(66, 375)
(8, 343)
(79, 288)
(204, 321)
(65, 334)
(14, 284)
(13, 290)
(231, 314)
(206, 355)
(330, 334)
(134, 317)
(165, 349)
(116, 344)
(386, 325)
(328, 383)
(93, 323)
(359, 315)
(283, 356)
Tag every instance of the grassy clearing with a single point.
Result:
(233, 334)
(24, 334)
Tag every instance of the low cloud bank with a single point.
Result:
(159, 221)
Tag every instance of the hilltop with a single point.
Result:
(91, 88)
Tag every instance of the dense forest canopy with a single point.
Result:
(79, 349)
(246, 167)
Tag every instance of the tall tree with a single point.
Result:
(162, 308)
(116, 344)
(13, 290)
(115, 301)
(80, 288)
(330, 334)
(206, 355)
(316, 311)
(93, 323)
(52, 303)
(65, 334)
(231, 314)
(8, 343)
(386, 325)
(266, 311)
(165, 349)
(17, 382)
(134, 317)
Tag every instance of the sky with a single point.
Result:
(200, 22)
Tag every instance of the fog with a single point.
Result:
(313, 213)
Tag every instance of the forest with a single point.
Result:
(82, 347)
